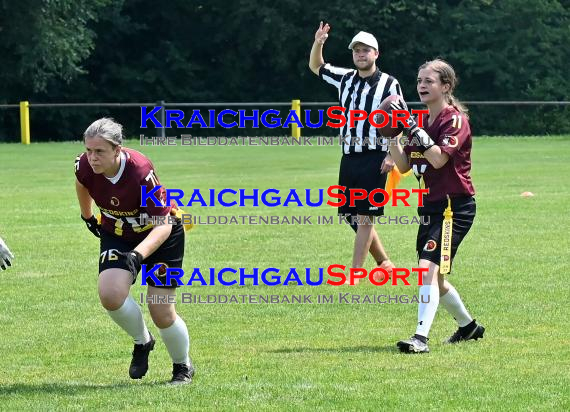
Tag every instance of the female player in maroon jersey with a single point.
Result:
(112, 176)
(441, 162)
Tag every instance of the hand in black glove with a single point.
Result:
(93, 226)
(5, 255)
(413, 129)
(134, 260)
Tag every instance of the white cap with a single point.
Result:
(364, 38)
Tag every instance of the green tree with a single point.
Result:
(511, 50)
(44, 40)
(256, 51)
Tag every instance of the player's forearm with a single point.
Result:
(431, 151)
(85, 200)
(436, 157)
(399, 157)
(316, 59)
(155, 238)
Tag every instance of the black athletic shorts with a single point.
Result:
(428, 244)
(170, 253)
(362, 171)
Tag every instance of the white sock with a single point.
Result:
(130, 318)
(177, 341)
(426, 311)
(451, 301)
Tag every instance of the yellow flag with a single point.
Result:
(393, 181)
(446, 232)
(394, 178)
(186, 219)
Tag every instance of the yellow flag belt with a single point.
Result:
(446, 232)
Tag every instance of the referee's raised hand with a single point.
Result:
(322, 33)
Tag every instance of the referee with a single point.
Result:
(365, 164)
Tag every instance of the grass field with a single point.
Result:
(61, 351)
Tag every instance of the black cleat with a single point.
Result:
(473, 331)
(139, 363)
(181, 374)
(413, 345)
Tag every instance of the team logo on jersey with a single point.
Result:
(114, 201)
(431, 245)
(450, 141)
(161, 272)
(162, 269)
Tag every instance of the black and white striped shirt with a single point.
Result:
(359, 93)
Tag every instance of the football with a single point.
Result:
(388, 130)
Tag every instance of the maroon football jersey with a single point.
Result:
(452, 133)
(119, 198)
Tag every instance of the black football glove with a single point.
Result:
(134, 260)
(93, 226)
(413, 129)
(5, 255)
